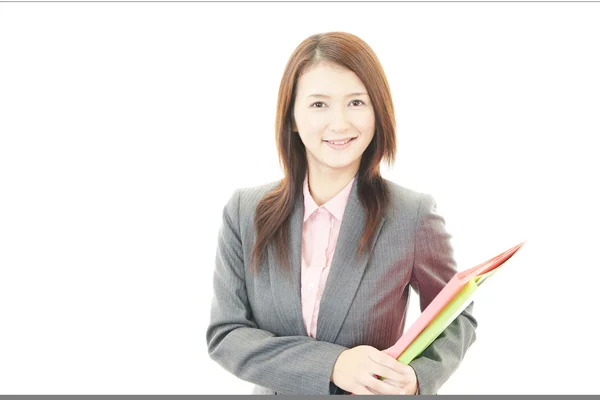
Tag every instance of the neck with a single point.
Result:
(326, 184)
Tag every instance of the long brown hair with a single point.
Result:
(271, 220)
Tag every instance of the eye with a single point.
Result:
(352, 102)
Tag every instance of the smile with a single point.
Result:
(339, 141)
(339, 144)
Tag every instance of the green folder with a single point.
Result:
(443, 319)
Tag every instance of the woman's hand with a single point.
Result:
(357, 370)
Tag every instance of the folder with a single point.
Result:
(445, 307)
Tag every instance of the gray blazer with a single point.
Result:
(256, 330)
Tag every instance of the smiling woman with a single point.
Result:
(313, 272)
(340, 121)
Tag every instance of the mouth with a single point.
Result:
(339, 142)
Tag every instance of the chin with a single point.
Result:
(335, 163)
(339, 165)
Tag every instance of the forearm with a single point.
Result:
(288, 364)
(437, 363)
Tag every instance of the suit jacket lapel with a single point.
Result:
(286, 292)
(344, 276)
(345, 273)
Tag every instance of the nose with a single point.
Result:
(339, 121)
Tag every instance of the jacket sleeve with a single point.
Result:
(434, 266)
(285, 364)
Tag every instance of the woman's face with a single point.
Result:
(331, 107)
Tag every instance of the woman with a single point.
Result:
(313, 272)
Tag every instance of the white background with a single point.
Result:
(125, 127)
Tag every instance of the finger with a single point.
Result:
(366, 381)
(386, 367)
(361, 389)
(381, 387)
(392, 382)
(386, 372)
(394, 364)
(403, 369)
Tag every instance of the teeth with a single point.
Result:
(341, 142)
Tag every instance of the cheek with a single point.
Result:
(365, 123)
(305, 125)
(309, 137)
(367, 132)
(311, 133)
(315, 126)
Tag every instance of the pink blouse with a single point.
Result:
(320, 232)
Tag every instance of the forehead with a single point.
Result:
(329, 79)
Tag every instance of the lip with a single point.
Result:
(339, 140)
(340, 146)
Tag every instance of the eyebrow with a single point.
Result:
(328, 97)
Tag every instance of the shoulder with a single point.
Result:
(257, 192)
(408, 203)
(250, 196)
(243, 201)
